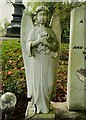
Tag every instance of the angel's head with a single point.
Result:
(42, 14)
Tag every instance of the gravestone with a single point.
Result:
(76, 94)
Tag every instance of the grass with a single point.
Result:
(12, 64)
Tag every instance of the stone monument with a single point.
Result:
(14, 29)
(40, 47)
(76, 94)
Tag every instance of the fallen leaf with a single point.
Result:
(9, 72)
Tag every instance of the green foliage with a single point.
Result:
(13, 74)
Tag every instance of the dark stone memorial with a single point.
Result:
(14, 29)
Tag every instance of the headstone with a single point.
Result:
(76, 94)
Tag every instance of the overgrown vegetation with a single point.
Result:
(13, 75)
(12, 68)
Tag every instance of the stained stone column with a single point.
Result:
(76, 87)
(14, 29)
(85, 54)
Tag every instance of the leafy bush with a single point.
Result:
(13, 73)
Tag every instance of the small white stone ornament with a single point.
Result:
(8, 101)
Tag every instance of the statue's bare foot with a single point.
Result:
(30, 111)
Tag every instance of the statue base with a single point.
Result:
(47, 116)
(62, 112)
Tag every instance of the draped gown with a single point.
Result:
(41, 70)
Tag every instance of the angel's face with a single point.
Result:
(42, 17)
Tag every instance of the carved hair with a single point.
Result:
(42, 8)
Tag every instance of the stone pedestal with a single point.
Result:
(62, 112)
(49, 116)
(76, 87)
(14, 29)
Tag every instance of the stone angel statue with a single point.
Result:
(40, 47)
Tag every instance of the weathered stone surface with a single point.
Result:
(14, 29)
(18, 0)
(7, 104)
(40, 47)
(76, 88)
(62, 112)
(7, 101)
(49, 116)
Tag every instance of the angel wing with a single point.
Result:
(26, 27)
(55, 25)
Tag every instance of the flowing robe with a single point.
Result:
(41, 70)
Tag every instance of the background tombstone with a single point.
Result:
(14, 29)
(76, 94)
